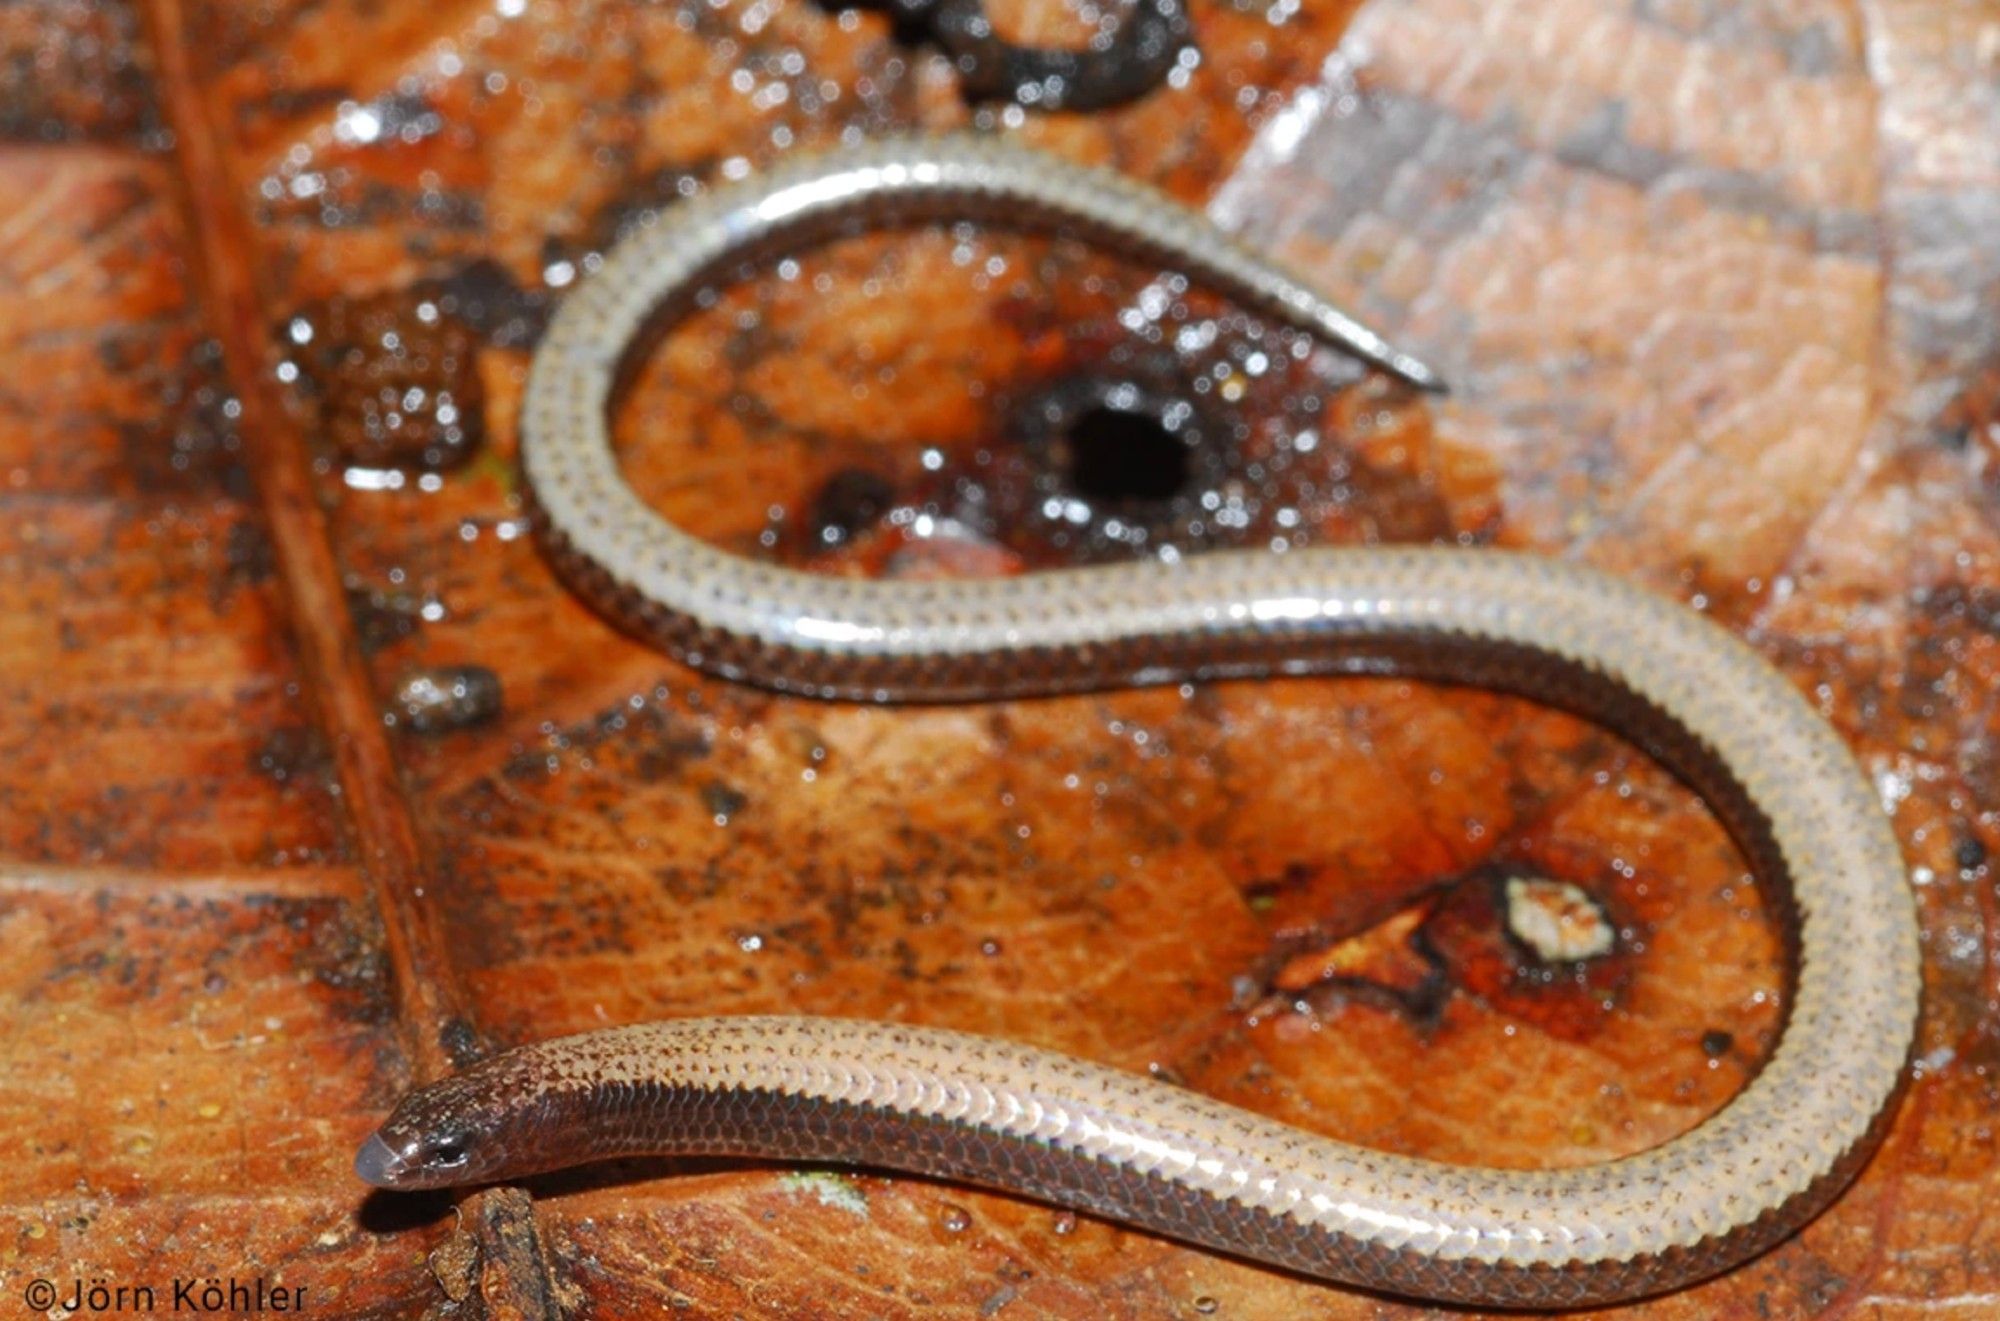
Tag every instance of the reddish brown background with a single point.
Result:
(1719, 290)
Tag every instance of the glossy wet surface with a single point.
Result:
(1716, 293)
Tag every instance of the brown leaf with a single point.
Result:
(1718, 289)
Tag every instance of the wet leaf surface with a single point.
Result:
(1719, 294)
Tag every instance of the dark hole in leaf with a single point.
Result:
(1118, 455)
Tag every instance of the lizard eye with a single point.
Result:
(448, 1154)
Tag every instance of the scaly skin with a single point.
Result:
(1129, 1148)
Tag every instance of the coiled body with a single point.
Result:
(1126, 1147)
